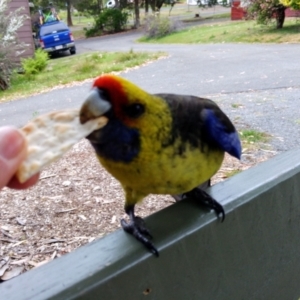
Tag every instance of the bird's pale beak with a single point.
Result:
(93, 107)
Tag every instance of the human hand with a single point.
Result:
(12, 153)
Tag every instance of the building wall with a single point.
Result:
(292, 13)
(25, 32)
(237, 11)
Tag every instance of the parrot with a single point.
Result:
(157, 144)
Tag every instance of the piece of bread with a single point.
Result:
(50, 136)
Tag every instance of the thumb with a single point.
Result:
(12, 153)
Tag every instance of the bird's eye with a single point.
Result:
(134, 110)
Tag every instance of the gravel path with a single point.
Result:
(275, 112)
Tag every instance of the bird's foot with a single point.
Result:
(137, 228)
(203, 186)
(207, 200)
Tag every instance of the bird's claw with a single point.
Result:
(207, 200)
(140, 232)
(216, 206)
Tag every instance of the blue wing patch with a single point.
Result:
(226, 140)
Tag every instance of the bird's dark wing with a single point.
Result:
(200, 121)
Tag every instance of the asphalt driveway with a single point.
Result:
(256, 84)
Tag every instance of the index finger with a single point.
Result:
(15, 183)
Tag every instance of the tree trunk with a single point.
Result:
(137, 14)
(146, 6)
(159, 4)
(69, 17)
(4, 83)
(280, 16)
(99, 6)
(153, 5)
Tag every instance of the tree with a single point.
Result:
(10, 47)
(264, 11)
(156, 4)
(93, 7)
(69, 17)
(294, 4)
(146, 6)
(136, 14)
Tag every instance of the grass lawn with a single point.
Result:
(74, 68)
(233, 32)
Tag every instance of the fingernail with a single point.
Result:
(11, 142)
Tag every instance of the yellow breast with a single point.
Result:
(165, 172)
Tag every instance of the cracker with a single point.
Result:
(50, 136)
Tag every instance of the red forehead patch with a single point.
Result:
(113, 85)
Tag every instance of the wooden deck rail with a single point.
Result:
(254, 254)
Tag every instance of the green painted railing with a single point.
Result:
(254, 254)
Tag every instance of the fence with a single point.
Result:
(254, 254)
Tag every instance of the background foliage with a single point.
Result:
(109, 20)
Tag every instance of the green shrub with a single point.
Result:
(36, 64)
(126, 56)
(109, 20)
(93, 31)
(76, 14)
(88, 64)
(157, 26)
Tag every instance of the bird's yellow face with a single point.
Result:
(134, 107)
(137, 118)
(155, 120)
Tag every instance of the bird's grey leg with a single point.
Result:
(137, 228)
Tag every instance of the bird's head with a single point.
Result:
(115, 97)
(136, 119)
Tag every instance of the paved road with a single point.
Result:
(262, 79)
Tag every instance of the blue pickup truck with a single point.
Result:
(55, 37)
